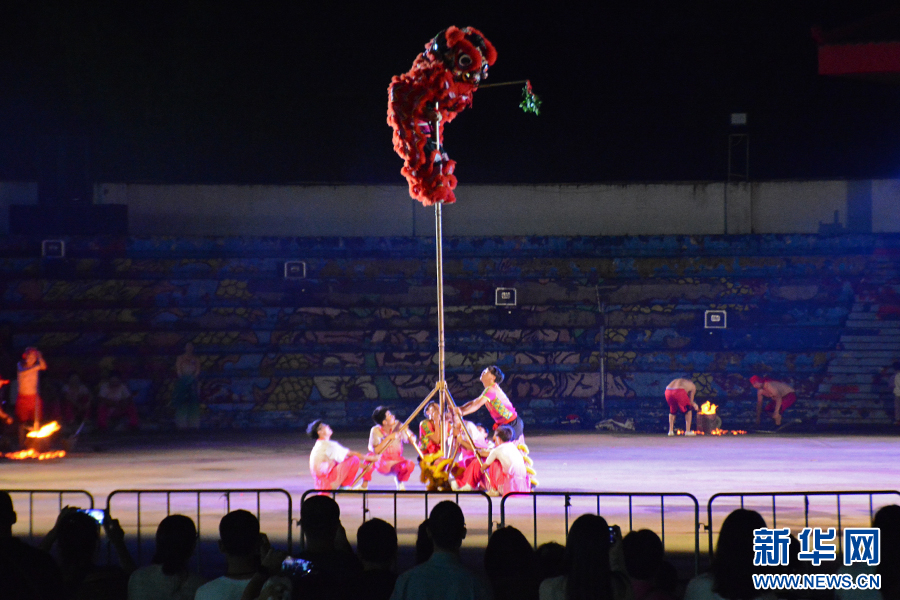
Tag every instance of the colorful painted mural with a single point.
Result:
(601, 325)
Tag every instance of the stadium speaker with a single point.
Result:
(53, 249)
(505, 297)
(715, 319)
(295, 269)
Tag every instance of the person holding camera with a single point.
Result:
(77, 537)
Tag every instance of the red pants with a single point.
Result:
(472, 474)
(394, 465)
(677, 399)
(340, 475)
(29, 408)
(505, 482)
(787, 401)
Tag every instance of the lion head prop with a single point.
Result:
(421, 101)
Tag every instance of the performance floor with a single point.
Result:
(576, 462)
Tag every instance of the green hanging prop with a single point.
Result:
(531, 102)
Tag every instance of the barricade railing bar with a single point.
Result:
(79, 498)
(365, 496)
(567, 499)
(143, 503)
(774, 496)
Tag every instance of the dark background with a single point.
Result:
(273, 91)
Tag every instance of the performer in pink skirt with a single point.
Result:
(331, 464)
(386, 444)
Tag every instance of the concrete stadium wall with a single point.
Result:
(866, 206)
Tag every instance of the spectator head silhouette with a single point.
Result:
(643, 554)
(447, 526)
(508, 551)
(239, 534)
(7, 515)
(376, 542)
(320, 517)
(551, 557)
(587, 557)
(176, 537)
(424, 545)
(733, 561)
(78, 539)
(887, 519)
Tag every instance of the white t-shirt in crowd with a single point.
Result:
(223, 588)
(150, 583)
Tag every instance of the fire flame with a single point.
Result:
(723, 432)
(45, 431)
(708, 408)
(32, 453)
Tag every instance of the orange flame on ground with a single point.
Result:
(45, 431)
(32, 453)
(708, 408)
(723, 432)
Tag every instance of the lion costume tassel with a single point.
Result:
(439, 86)
(436, 472)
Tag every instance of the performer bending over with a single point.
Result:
(497, 403)
(386, 443)
(332, 465)
(781, 394)
(680, 397)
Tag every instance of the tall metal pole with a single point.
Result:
(439, 234)
(441, 385)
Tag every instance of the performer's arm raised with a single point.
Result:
(473, 405)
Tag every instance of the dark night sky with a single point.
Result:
(279, 92)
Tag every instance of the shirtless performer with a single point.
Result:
(680, 396)
(781, 394)
(29, 407)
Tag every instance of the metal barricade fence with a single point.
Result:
(818, 515)
(272, 506)
(693, 507)
(370, 508)
(46, 511)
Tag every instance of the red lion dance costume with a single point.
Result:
(439, 86)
